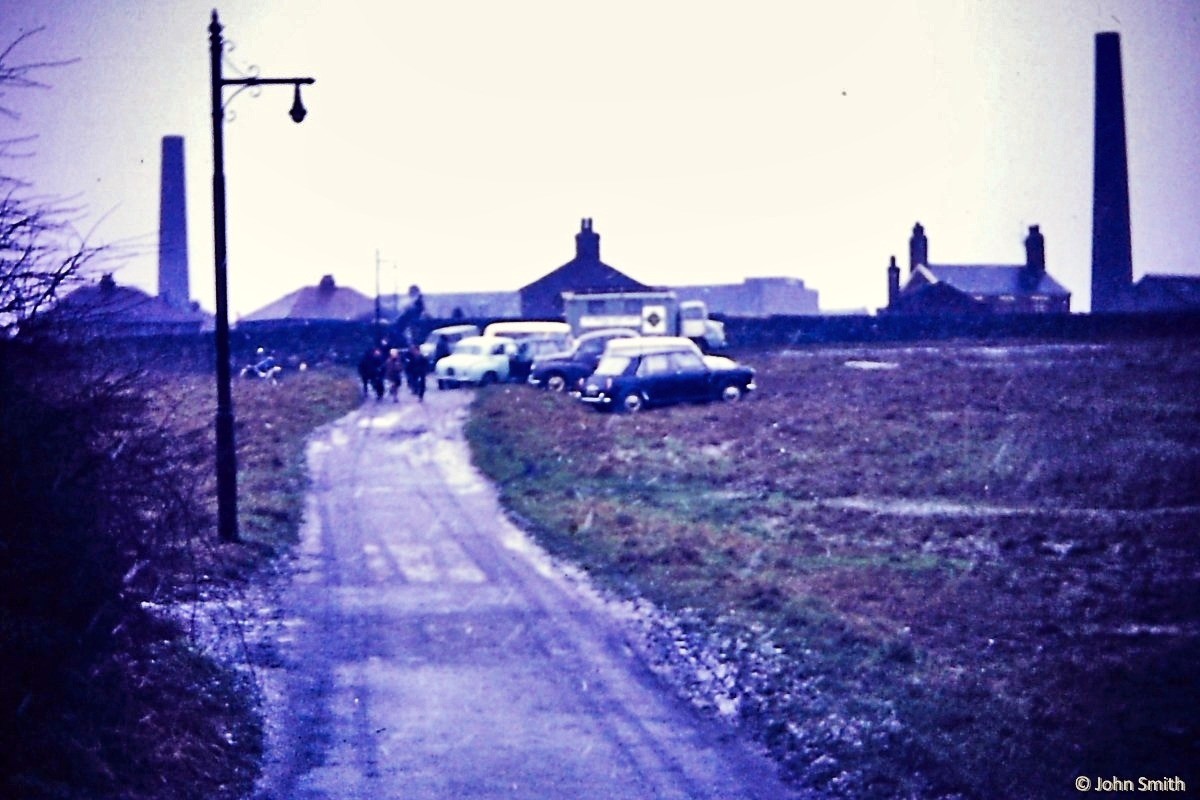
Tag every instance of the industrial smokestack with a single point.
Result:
(1112, 249)
(172, 226)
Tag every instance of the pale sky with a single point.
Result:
(708, 141)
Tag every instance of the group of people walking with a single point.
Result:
(384, 369)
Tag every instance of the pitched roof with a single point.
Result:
(585, 274)
(323, 301)
(993, 280)
(106, 302)
(1166, 293)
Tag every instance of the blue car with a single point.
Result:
(639, 373)
(566, 371)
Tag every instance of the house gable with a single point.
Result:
(542, 299)
(991, 288)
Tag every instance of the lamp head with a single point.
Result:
(297, 112)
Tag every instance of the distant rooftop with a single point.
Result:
(994, 279)
(325, 301)
(110, 307)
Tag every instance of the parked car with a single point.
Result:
(638, 373)
(441, 341)
(529, 350)
(561, 372)
(476, 361)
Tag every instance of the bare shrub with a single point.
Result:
(101, 505)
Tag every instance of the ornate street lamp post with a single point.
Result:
(227, 524)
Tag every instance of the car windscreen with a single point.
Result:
(612, 365)
(590, 348)
(543, 347)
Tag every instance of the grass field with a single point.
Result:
(200, 695)
(273, 423)
(932, 571)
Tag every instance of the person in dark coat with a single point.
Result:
(393, 372)
(441, 349)
(406, 322)
(416, 367)
(370, 371)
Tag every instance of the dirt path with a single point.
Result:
(428, 650)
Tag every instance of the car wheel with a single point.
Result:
(731, 393)
(633, 403)
(441, 384)
(488, 379)
(556, 382)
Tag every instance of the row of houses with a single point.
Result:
(125, 310)
(542, 298)
(1027, 288)
(927, 288)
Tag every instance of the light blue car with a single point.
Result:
(476, 361)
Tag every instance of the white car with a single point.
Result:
(476, 361)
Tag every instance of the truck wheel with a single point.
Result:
(556, 382)
(731, 393)
(633, 403)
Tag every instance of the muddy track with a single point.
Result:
(427, 649)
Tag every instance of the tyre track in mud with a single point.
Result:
(429, 650)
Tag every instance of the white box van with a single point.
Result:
(558, 332)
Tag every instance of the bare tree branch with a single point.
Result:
(22, 76)
(41, 254)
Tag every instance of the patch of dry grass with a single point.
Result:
(272, 423)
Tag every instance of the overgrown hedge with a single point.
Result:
(98, 699)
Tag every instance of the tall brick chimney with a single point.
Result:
(172, 226)
(1112, 248)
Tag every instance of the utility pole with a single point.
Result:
(378, 311)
